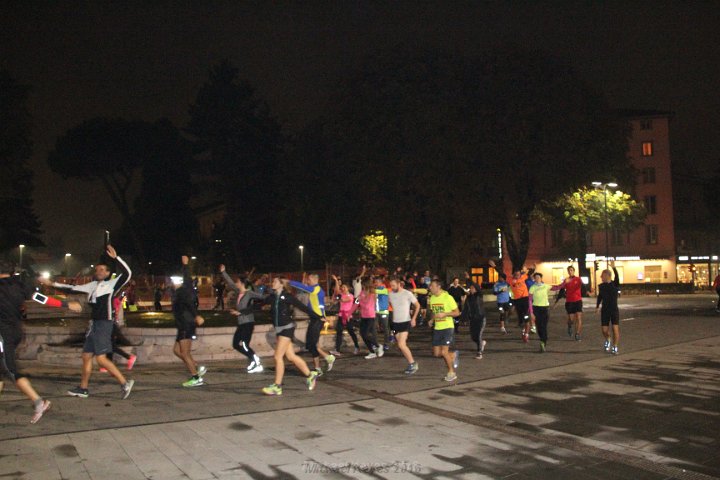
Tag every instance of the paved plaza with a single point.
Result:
(574, 412)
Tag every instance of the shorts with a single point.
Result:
(443, 338)
(504, 306)
(399, 327)
(573, 307)
(8, 367)
(288, 332)
(608, 317)
(98, 339)
(187, 333)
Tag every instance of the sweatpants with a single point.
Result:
(313, 336)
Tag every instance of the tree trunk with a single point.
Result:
(518, 243)
(581, 254)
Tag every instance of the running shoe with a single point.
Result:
(273, 389)
(370, 356)
(336, 353)
(615, 350)
(330, 359)
(202, 370)
(40, 411)
(504, 331)
(450, 377)
(131, 362)
(409, 370)
(392, 339)
(569, 330)
(319, 372)
(525, 338)
(79, 392)
(386, 347)
(533, 329)
(542, 347)
(256, 369)
(607, 346)
(456, 358)
(380, 351)
(577, 337)
(479, 356)
(193, 382)
(311, 380)
(103, 370)
(356, 351)
(126, 389)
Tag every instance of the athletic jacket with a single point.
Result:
(183, 302)
(100, 293)
(474, 307)
(608, 293)
(281, 310)
(316, 296)
(243, 304)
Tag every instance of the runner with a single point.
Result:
(608, 293)
(401, 301)
(474, 313)
(345, 321)
(573, 301)
(501, 289)
(316, 302)
(444, 310)
(281, 304)
(368, 322)
(716, 286)
(245, 319)
(98, 341)
(458, 293)
(187, 320)
(14, 290)
(540, 292)
(520, 300)
(382, 312)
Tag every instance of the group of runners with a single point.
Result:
(386, 309)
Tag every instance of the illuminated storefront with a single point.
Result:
(631, 269)
(699, 270)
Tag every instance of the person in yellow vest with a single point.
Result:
(443, 309)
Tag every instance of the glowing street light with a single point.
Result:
(302, 258)
(21, 247)
(67, 259)
(604, 187)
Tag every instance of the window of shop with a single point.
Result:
(647, 149)
(652, 234)
(653, 273)
(646, 125)
(648, 175)
(651, 204)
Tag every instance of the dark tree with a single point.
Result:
(108, 150)
(237, 144)
(165, 222)
(18, 223)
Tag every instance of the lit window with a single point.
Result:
(647, 149)
(646, 125)
(648, 175)
(652, 234)
(651, 204)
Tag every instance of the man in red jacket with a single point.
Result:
(573, 300)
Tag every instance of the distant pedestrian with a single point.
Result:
(219, 288)
(501, 289)
(458, 293)
(157, 296)
(716, 286)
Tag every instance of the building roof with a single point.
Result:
(640, 113)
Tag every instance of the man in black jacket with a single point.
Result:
(14, 290)
(474, 313)
(608, 293)
(186, 320)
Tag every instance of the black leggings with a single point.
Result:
(477, 327)
(241, 340)
(339, 327)
(313, 336)
(368, 332)
(522, 305)
(541, 322)
(384, 320)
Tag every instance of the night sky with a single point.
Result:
(145, 60)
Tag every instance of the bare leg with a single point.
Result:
(182, 351)
(104, 362)
(23, 384)
(578, 323)
(606, 332)
(297, 361)
(448, 359)
(86, 369)
(616, 335)
(282, 346)
(402, 345)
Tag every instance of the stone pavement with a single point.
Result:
(575, 412)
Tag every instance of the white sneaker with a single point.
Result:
(202, 370)
(370, 355)
(380, 351)
(256, 369)
(330, 359)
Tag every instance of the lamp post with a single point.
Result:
(302, 258)
(21, 247)
(604, 187)
(67, 259)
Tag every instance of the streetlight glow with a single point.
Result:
(302, 258)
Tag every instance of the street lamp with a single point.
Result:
(604, 187)
(302, 258)
(67, 259)
(21, 247)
